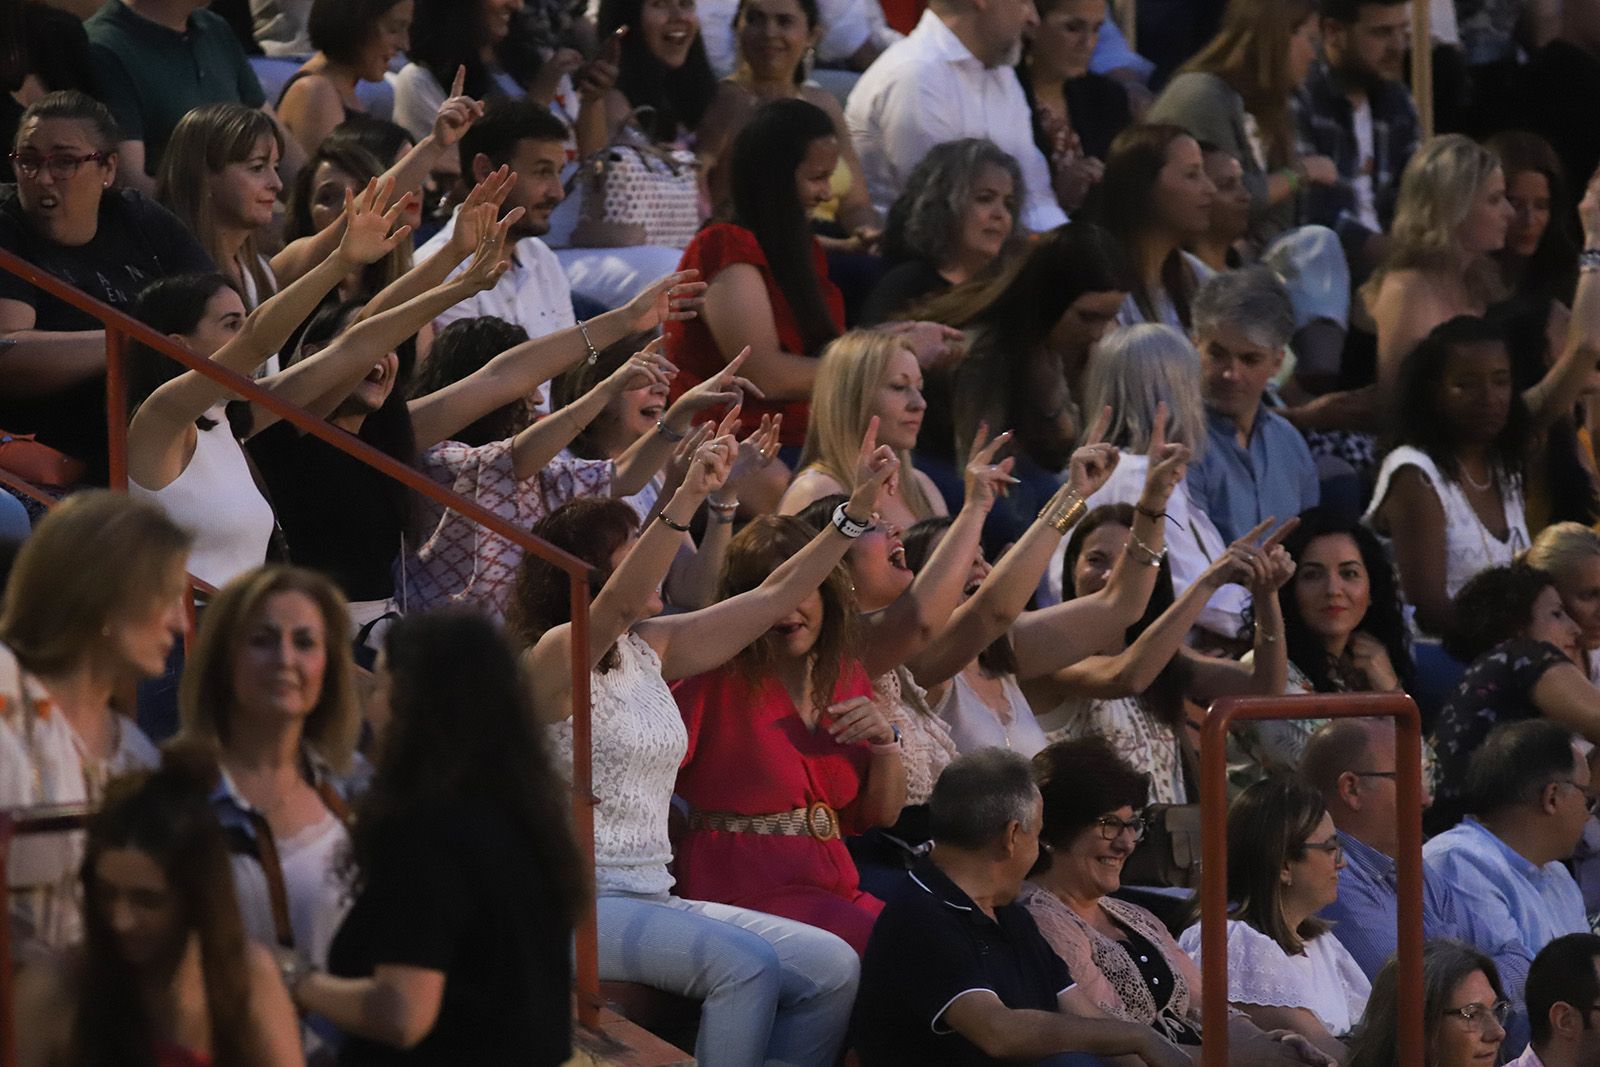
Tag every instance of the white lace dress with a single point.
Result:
(1144, 741)
(1324, 979)
(926, 747)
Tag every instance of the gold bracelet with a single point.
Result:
(1063, 514)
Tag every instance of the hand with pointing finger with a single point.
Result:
(1092, 463)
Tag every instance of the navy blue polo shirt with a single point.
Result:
(932, 945)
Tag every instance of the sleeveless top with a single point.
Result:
(926, 747)
(974, 724)
(1469, 546)
(216, 500)
(349, 112)
(639, 742)
(1148, 745)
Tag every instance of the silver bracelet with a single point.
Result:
(594, 353)
(673, 436)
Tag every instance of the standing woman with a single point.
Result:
(355, 41)
(1076, 112)
(466, 880)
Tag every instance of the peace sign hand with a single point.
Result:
(986, 480)
(1168, 463)
(1091, 465)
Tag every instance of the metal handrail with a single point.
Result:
(1214, 849)
(120, 328)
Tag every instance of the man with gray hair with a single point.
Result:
(1255, 464)
(956, 973)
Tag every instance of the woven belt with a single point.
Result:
(816, 820)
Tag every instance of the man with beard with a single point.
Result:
(1355, 109)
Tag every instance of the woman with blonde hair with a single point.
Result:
(270, 681)
(1569, 552)
(74, 634)
(865, 374)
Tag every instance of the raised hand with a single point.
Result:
(987, 481)
(471, 223)
(674, 298)
(1168, 463)
(713, 460)
(859, 719)
(1092, 463)
(724, 387)
(933, 343)
(875, 465)
(457, 114)
(1368, 656)
(644, 368)
(758, 450)
(677, 467)
(369, 223)
(490, 261)
(598, 77)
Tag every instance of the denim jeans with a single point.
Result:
(773, 991)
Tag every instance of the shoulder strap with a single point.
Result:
(266, 852)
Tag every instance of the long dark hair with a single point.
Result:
(591, 528)
(766, 155)
(174, 304)
(462, 733)
(446, 34)
(166, 815)
(678, 99)
(1550, 273)
(920, 541)
(1127, 204)
(461, 349)
(1384, 619)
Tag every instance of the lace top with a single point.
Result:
(1324, 979)
(1144, 741)
(639, 741)
(926, 747)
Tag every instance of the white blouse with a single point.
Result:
(1324, 979)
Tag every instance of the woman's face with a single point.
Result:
(669, 29)
(773, 37)
(1528, 193)
(1485, 227)
(635, 411)
(898, 401)
(1183, 194)
(1476, 387)
(1311, 882)
(1458, 1044)
(1085, 321)
(1091, 865)
(877, 562)
(655, 605)
(797, 632)
(1580, 595)
(329, 184)
(278, 670)
(989, 217)
(390, 36)
(813, 178)
(1230, 211)
(496, 15)
(1303, 49)
(246, 193)
(141, 637)
(1065, 39)
(61, 208)
(1331, 588)
(1549, 621)
(220, 323)
(1100, 552)
(130, 892)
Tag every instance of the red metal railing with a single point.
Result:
(120, 328)
(1214, 849)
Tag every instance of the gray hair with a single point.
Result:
(979, 795)
(1134, 368)
(1251, 299)
(925, 219)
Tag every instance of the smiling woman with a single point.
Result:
(356, 40)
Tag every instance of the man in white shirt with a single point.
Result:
(534, 293)
(1563, 992)
(952, 78)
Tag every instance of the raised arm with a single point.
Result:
(640, 461)
(692, 582)
(1267, 675)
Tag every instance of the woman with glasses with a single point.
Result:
(1284, 970)
(1125, 963)
(1464, 1011)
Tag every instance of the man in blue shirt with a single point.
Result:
(1255, 464)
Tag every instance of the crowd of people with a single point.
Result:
(949, 404)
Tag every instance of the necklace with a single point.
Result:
(1482, 487)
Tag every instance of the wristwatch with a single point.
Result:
(851, 528)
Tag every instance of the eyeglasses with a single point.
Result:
(1111, 827)
(1377, 774)
(61, 165)
(1331, 846)
(1477, 1016)
(1590, 800)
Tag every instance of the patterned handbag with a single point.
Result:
(636, 192)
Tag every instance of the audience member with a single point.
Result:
(466, 879)
(64, 217)
(452, 52)
(953, 77)
(1528, 787)
(1464, 1011)
(165, 974)
(1570, 554)
(316, 206)
(1355, 110)
(661, 66)
(355, 43)
(1561, 992)
(955, 221)
(1255, 464)
(956, 971)
(1222, 246)
(46, 51)
(1077, 111)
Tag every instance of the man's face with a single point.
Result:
(538, 187)
(1372, 50)
(1026, 852)
(1235, 370)
(1572, 804)
(1003, 23)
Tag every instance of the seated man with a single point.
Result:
(1531, 797)
(1255, 465)
(956, 972)
(1562, 993)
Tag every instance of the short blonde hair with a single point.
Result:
(1133, 369)
(841, 406)
(206, 698)
(65, 588)
(1560, 548)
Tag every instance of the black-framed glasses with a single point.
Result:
(1377, 774)
(1477, 1016)
(1331, 846)
(61, 165)
(1111, 827)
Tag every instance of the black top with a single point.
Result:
(349, 112)
(338, 515)
(136, 241)
(900, 287)
(1097, 107)
(462, 891)
(931, 944)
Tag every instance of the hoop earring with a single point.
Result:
(808, 64)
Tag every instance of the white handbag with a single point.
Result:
(636, 192)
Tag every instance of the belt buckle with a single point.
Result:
(822, 822)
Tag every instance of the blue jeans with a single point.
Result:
(772, 991)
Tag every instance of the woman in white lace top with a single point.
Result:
(1284, 969)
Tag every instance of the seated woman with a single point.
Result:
(1525, 659)
(1221, 246)
(1125, 963)
(178, 983)
(354, 42)
(467, 881)
(64, 217)
(1133, 690)
(865, 375)
(955, 221)
(1155, 199)
(1449, 494)
(1570, 554)
(768, 278)
(796, 1007)
(661, 65)
(1284, 970)
(1464, 1011)
(74, 637)
(452, 52)
(316, 203)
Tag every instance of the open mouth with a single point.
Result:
(897, 558)
(787, 630)
(652, 411)
(677, 38)
(48, 202)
